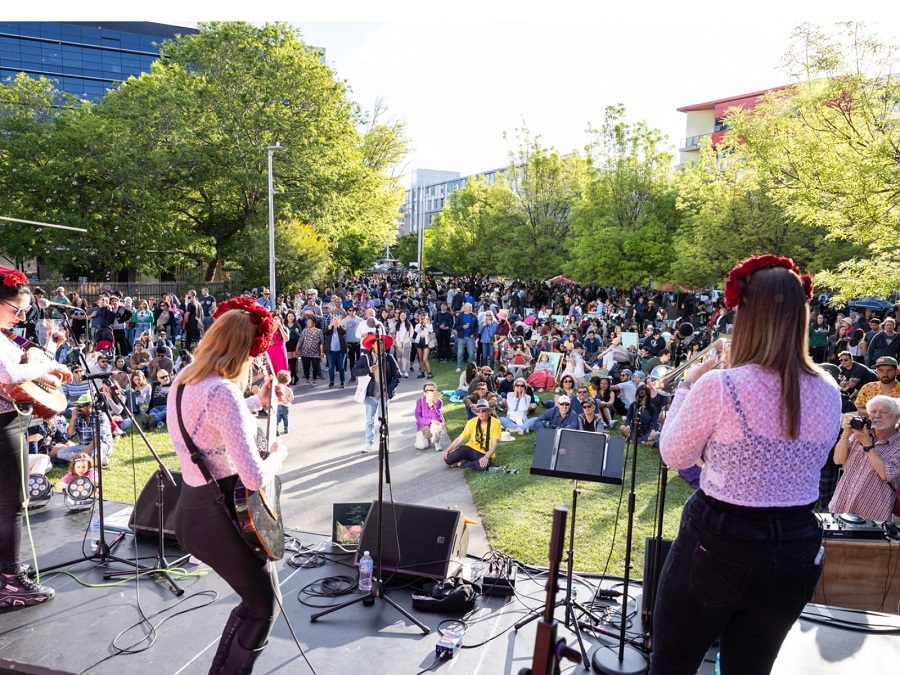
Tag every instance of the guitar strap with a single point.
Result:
(195, 452)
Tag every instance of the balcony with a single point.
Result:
(692, 142)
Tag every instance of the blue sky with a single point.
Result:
(462, 74)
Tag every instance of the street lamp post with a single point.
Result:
(272, 297)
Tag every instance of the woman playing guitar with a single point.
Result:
(16, 589)
(208, 399)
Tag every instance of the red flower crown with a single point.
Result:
(740, 275)
(259, 316)
(14, 278)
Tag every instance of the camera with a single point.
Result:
(860, 423)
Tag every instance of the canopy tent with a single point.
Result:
(561, 280)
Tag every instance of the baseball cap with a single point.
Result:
(563, 399)
(639, 374)
(886, 361)
(625, 372)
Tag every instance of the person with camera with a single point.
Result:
(887, 385)
(746, 558)
(869, 449)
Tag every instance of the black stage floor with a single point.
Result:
(86, 627)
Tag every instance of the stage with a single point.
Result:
(85, 628)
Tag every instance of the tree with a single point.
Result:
(199, 123)
(406, 248)
(470, 234)
(545, 184)
(828, 149)
(624, 224)
(727, 215)
(301, 258)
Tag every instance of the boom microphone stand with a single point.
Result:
(626, 660)
(384, 475)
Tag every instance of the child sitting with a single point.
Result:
(80, 465)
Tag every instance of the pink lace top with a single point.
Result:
(730, 419)
(217, 416)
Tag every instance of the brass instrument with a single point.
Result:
(664, 377)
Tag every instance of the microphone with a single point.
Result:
(97, 376)
(44, 304)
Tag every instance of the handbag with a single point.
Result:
(362, 385)
(432, 340)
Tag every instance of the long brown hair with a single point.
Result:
(770, 330)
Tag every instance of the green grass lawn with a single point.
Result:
(132, 465)
(517, 510)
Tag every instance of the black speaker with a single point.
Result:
(417, 541)
(651, 575)
(145, 518)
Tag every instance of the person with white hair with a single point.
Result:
(871, 459)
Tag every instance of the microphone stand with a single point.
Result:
(384, 476)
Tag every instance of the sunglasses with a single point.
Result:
(520, 386)
(482, 411)
(562, 404)
(428, 391)
(85, 405)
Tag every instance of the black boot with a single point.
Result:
(232, 626)
(240, 659)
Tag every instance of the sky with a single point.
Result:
(465, 76)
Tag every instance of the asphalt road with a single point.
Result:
(326, 464)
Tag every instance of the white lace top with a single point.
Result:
(218, 418)
(730, 419)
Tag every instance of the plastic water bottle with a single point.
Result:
(717, 670)
(94, 531)
(366, 565)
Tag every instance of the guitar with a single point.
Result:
(258, 511)
(44, 394)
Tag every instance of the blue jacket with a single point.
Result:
(556, 421)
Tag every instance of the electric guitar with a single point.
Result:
(258, 511)
(43, 394)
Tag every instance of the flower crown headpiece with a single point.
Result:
(259, 316)
(740, 275)
(14, 278)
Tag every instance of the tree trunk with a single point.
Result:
(211, 268)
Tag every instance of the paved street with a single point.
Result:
(326, 465)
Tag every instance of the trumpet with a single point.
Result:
(663, 377)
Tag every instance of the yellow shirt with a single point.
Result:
(473, 439)
(873, 389)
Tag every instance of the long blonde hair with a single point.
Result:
(223, 351)
(770, 330)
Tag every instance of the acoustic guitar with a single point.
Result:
(43, 395)
(258, 511)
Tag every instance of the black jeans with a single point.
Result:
(737, 573)
(205, 529)
(12, 444)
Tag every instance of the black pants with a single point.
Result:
(120, 337)
(12, 445)
(352, 354)
(443, 348)
(206, 530)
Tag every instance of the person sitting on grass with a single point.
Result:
(518, 406)
(560, 416)
(480, 393)
(429, 419)
(475, 447)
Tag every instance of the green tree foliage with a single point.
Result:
(624, 225)
(727, 216)
(827, 150)
(406, 248)
(545, 185)
(469, 235)
(301, 256)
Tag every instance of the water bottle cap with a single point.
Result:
(365, 553)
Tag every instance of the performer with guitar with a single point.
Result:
(16, 369)
(215, 435)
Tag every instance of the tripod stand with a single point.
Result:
(571, 622)
(102, 554)
(381, 373)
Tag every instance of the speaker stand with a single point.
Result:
(384, 475)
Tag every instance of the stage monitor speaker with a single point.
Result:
(144, 517)
(651, 576)
(417, 541)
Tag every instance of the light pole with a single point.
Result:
(272, 297)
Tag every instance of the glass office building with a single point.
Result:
(85, 58)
